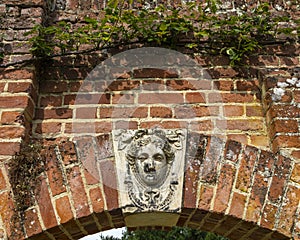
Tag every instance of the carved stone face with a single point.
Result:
(151, 164)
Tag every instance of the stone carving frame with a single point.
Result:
(150, 169)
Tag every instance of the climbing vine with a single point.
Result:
(202, 26)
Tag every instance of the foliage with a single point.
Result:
(24, 169)
(176, 233)
(202, 24)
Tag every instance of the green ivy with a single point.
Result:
(203, 25)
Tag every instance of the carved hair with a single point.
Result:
(145, 137)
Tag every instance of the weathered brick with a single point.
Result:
(225, 183)
(93, 127)
(243, 124)
(283, 126)
(296, 173)
(77, 99)
(63, 208)
(17, 74)
(223, 85)
(247, 85)
(206, 196)
(10, 132)
(123, 85)
(204, 125)
(257, 198)
(214, 153)
(2, 180)
(253, 111)
(286, 142)
(45, 204)
(163, 98)
(269, 216)
(194, 97)
(195, 111)
(108, 172)
(32, 224)
(12, 117)
(54, 87)
(288, 209)
(154, 73)
(233, 111)
(260, 141)
(237, 205)
(51, 101)
(14, 102)
(153, 85)
(16, 87)
(86, 113)
(232, 150)
(230, 97)
(123, 112)
(97, 199)
(123, 98)
(189, 84)
(68, 152)
(59, 113)
(54, 172)
(9, 148)
(78, 192)
(194, 156)
(48, 127)
(280, 177)
(160, 112)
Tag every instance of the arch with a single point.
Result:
(232, 189)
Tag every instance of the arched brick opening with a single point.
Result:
(232, 189)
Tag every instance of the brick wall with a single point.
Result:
(246, 185)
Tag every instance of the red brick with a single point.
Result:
(195, 111)
(93, 127)
(45, 204)
(2, 180)
(283, 126)
(296, 94)
(10, 117)
(160, 112)
(296, 154)
(242, 138)
(214, 153)
(232, 150)
(2, 85)
(11, 132)
(51, 101)
(206, 196)
(16, 87)
(154, 73)
(68, 152)
(123, 112)
(269, 216)
(247, 85)
(296, 173)
(53, 86)
(163, 124)
(17, 74)
(78, 192)
(154, 85)
(108, 171)
(265, 162)
(97, 200)
(123, 85)
(77, 99)
(85, 86)
(204, 125)
(225, 183)
(7, 212)
(32, 224)
(195, 97)
(230, 97)
(257, 198)
(54, 172)
(254, 111)
(286, 142)
(288, 209)
(14, 102)
(237, 205)
(59, 113)
(189, 84)
(223, 85)
(9, 148)
(287, 111)
(163, 98)
(243, 124)
(63, 208)
(126, 125)
(233, 111)
(48, 127)
(86, 113)
(280, 177)
(122, 98)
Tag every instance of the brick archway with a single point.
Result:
(231, 189)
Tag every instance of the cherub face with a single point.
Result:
(151, 164)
